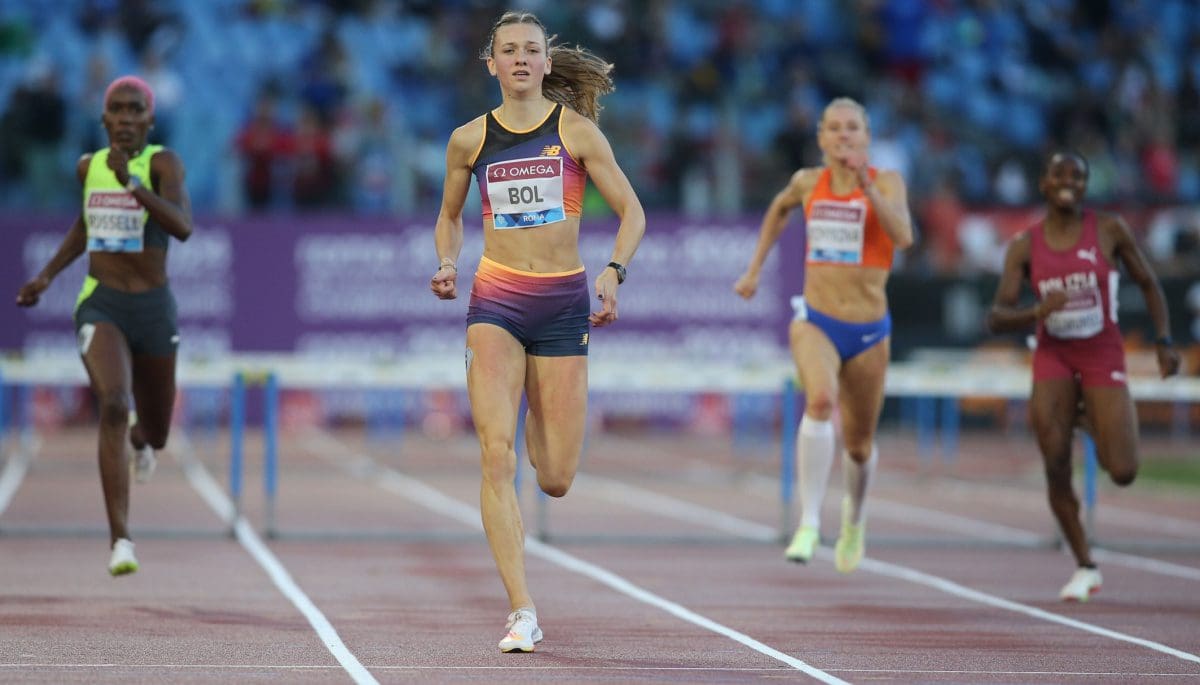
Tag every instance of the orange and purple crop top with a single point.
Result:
(528, 178)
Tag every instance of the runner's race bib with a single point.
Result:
(526, 192)
(835, 232)
(1082, 317)
(115, 222)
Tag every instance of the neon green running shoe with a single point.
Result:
(804, 543)
(851, 542)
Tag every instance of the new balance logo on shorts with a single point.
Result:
(583, 342)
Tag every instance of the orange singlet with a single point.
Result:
(843, 230)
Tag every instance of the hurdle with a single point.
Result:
(268, 380)
(933, 389)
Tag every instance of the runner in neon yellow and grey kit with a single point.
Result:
(133, 200)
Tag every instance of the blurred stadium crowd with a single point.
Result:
(346, 105)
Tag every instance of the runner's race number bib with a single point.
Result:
(1082, 317)
(835, 232)
(115, 222)
(526, 192)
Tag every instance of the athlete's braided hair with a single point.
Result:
(577, 77)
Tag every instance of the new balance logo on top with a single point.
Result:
(551, 150)
(1088, 254)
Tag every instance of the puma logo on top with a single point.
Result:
(1088, 254)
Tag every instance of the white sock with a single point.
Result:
(814, 445)
(856, 478)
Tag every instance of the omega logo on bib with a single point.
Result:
(835, 231)
(526, 192)
(115, 221)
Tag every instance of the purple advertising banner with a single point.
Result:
(359, 287)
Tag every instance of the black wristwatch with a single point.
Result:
(1164, 341)
(620, 272)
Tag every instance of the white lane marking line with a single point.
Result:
(579, 667)
(953, 522)
(1043, 673)
(1165, 568)
(212, 493)
(942, 521)
(203, 667)
(949, 586)
(656, 503)
(1120, 517)
(623, 586)
(1156, 523)
(435, 500)
(752, 530)
(15, 469)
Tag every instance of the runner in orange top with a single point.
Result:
(856, 216)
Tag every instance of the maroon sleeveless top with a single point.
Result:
(1088, 278)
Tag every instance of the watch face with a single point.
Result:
(620, 271)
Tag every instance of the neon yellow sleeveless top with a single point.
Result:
(112, 216)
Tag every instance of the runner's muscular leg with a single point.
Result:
(495, 374)
(817, 363)
(108, 365)
(1052, 409)
(1115, 430)
(860, 398)
(556, 388)
(154, 399)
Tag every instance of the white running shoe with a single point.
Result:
(144, 463)
(523, 632)
(1084, 583)
(122, 561)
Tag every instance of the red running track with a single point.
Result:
(661, 567)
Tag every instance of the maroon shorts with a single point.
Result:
(1093, 362)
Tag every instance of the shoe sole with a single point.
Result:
(123, 569)
(1073, 598)
(537, 637)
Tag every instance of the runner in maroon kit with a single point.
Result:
(1071, 259)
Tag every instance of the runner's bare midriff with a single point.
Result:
(854, 294)
(549, 248)
(131, 272)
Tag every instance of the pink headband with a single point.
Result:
(131, 82)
